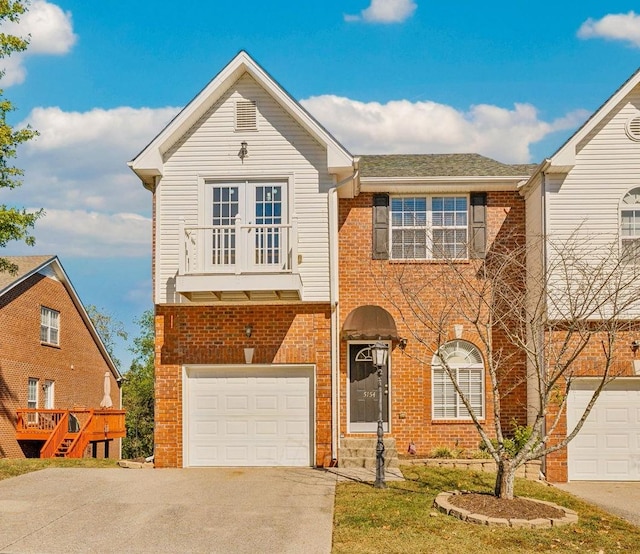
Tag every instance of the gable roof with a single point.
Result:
(148, 164)
(565, 157)
(31, 265)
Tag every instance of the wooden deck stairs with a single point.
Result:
(67, 433)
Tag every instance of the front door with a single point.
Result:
(363, 391)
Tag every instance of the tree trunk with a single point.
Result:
(505, 479)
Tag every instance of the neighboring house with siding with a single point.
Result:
(53, 364)
(265, 233)
(589, 192)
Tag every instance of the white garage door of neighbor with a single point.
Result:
(248, 416)
(607, 448)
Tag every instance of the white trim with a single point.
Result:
(310, 369)
(369, 427)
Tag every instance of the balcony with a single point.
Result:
(240, 262)
(67, 433)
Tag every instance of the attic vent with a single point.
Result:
(633, 128)
(246, 115)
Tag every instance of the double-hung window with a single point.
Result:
(32, 400)
(465, 362)
(429, 227)
(49, 326)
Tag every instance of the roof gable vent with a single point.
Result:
(633, 128)
(247, 115)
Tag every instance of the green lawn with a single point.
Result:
(402, 519)
(10, 467)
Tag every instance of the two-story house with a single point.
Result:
(588, 193)
(265, 229)
(59, 388)
(272, 250)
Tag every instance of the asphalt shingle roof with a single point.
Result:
(439, 165)
(25, 264)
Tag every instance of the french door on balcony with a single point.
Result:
(248, 225)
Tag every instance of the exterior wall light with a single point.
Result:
(244, 151)
(248, 330)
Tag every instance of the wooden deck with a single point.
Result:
(67, 433)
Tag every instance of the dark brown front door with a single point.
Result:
(363, 391)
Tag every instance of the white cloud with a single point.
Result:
(619, 26)
(385, 11)
(51, 32)
(87, 234)
(79, 159)
(407, 127)
(76, 170)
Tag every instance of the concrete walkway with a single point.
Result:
(259, 510)
(616, 497)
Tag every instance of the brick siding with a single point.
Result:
(212, 335)
(76, 366)
(363, 281)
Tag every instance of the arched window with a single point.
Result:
(465, 360)
(630, 225)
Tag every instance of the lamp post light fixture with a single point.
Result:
(380, 354)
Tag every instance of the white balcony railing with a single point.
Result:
(239, 248)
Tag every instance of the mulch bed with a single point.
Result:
(492, 506)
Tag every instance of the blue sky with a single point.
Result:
(510, 80)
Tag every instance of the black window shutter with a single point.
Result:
(478, 225)
(380, 227)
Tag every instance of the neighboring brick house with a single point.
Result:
(269, 242)
(51, 359)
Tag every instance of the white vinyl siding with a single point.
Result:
(583, 206)
(279, 150)
(49, 326)
(607, 167)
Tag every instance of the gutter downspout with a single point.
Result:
(335, 313)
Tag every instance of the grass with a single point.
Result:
(10, 467)
(402, 519)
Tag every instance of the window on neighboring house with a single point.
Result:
(630, 225)
(32, 400)
(429, 227)
(465, 361)
(49, 326)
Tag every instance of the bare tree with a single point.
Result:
(533, 306)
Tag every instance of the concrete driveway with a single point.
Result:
(168, 510)
(616, 497)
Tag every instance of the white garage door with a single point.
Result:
(608, 446)
(248, 416)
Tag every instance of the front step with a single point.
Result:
(361, 452)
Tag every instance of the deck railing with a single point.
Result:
(82, 425)
(239, 248)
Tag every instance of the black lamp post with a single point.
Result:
(380, 353)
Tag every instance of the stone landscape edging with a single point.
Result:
(442, 503)
(530, 470)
